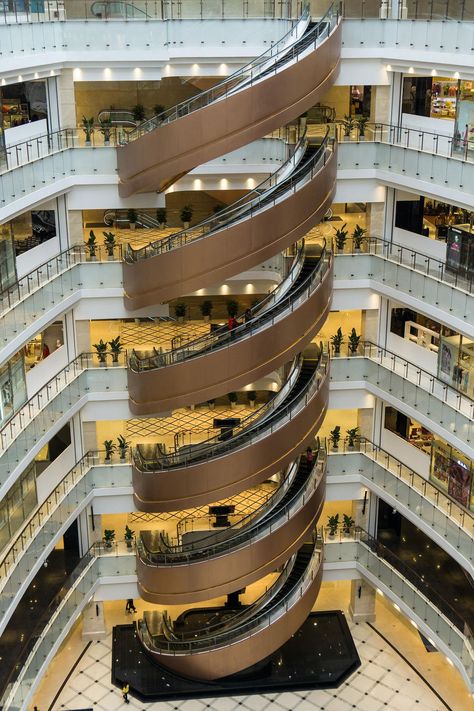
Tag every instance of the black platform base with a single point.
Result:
(321, 655)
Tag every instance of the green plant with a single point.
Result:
(132, 216)
(348, 123)
(337, 340)
(335, 436)
(206, 307)
(358, 236)
(122, 446)
(347, 523)
(333, 523)
(158, 109)
(180, 309)
(353, 341)
(128, 536)
(88, 127)
(361, 124)
(187, 213)
(110, 448)
(161, 215)
(251, 395)
(341, 236)
(353, 436)
(233, 397)
(109, 537)
(109, 243)
(105, 127)
(101, 350)
(232, 308)
(92, 244)
(116, 348)
(138, 112)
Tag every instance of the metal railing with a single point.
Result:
(267, 194)
(276, 412)
(273, 307)
(244, 532)
(278, 606)
(287, 49)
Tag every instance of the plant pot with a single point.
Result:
(110, 257)
(161, 225)
(356, 250)
(337, 352)
(88, 142)
(106, 141)
(347, 533)
(233, 405)
(129, 543)
(207, 319)
(191, 407)
(123, 459)
(361, 138)
(347, 138)
(108, 544)
(180, 319)
(93, 258)
(252, 403)
(332, 536)
(132, 225)
(211, 405)
(102, 364)
(186, 225)
(335, 448)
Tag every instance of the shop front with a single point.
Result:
(451, 472)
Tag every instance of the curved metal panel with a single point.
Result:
(212, 577)
(217, 478)
(230, 368)
(237, 248)
(241, 654)
(153, 160)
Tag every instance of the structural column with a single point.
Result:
(362, 605)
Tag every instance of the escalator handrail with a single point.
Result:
(222, 337)
(220, 90)
(271, 421)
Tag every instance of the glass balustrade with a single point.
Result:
(65, 502)
(61, 396)
(386, 371)
(438, 510)
(63, 611)
(403, 582)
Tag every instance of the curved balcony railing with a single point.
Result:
(441, 407)
(271, 620)
(446, 519)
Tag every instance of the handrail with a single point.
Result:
(265, 617)
(266, 194)
(108, 4)
(222, 337)
(437, 497)
(238, 535)
(245, 75)
(272, 420)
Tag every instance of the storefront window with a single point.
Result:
(30, 229)
(451, 471)
(430, 218)
(17, 505)
(8, 275)
(464, 129)
(12, 388)
(456, 361)
(435, 97)
(409, 429)
(415, 327)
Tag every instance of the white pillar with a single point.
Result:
(362, 605)
(93, 622)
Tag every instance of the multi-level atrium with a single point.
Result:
(237, 354)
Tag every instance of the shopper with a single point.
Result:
(247, 315)
(130, 607)
(309, 456)
(231, 325)
(125, 690)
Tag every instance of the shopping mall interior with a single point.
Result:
(237, 355)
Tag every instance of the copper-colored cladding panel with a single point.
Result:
(202, 378)
(222, 661)
(238, 469)
(178, 147)
(234, 569)
(216, 257)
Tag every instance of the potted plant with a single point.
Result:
(252, 397)
(333, 523)
(232, 399)
(232, 308)
(116, 349)
(92, 246)
(161, 217)
(109, 244)
(123, 445)
(129, 536)
(101, 351)
(138, 112)
(358, 236)
(347, 524)
(353, 342)
(109, 537)
(132, 218)
(88, 128)
(341, 237)
(110, 448)
(158, 109)
(361, 124)
(186, 215)
(353, 436)
(337, 340)
(335, 436)
(180, 311)
(348, 123)
(206, 309)
(105, 127)
(211, 403)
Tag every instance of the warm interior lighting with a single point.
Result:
(411, 70)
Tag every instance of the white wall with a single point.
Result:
(33, 258)
(45, 369)
(420, 243)
(426, 359)
(407, 453)
(52, 475)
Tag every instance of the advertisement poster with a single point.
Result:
(459, 482)
(440, 466)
